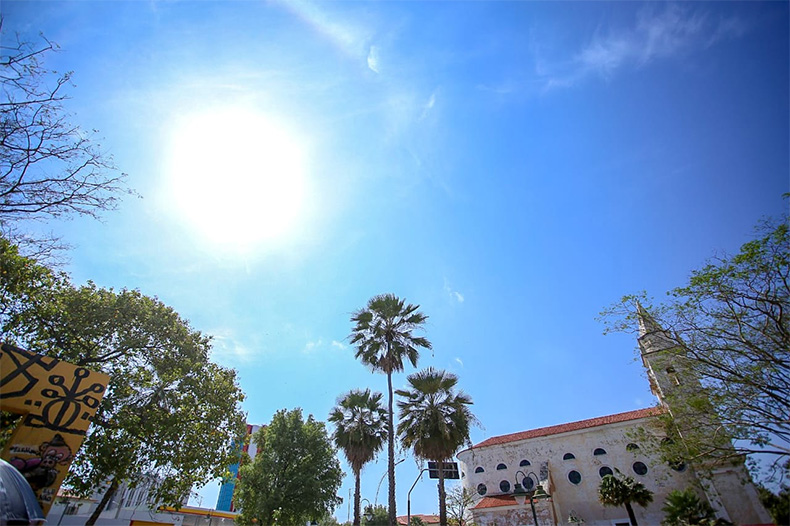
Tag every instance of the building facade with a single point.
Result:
(569, 460)
(225, 500)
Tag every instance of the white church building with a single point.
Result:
(569, 460)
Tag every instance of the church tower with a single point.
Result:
(679, 390)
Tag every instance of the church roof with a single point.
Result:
(571, 426)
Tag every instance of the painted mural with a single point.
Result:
(57, 401)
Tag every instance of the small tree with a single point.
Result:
(685, 508)
(623, 491)
(360, 431)
(459, 504)
(380, 516)
(777, 504)
(294, 477)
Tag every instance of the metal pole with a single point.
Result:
(408, 497)
(534, 515)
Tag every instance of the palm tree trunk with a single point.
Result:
(631, 516)
(356, 495)
(442, 496)
(391, 452)
(103, 502)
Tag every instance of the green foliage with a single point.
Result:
(416, 521)
(380, 516)
(777, 504)
(360, 431)
(685, 508)
(434, 420)
(730, 326)
(383, 335)
(295, 475)
(169, 413)
(623, 491)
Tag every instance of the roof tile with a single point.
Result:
(571, 426)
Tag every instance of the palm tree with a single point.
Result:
(359, 431)
(616, 491)
(434, 421)
(383, 336)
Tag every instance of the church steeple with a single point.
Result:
(660, 354)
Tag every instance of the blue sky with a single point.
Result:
(512, 167)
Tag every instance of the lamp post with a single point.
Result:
(521, 494)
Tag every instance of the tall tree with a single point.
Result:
(624, 491)
(295, 475)
(730, 327)
(360, 431)
(48, 165)
(169, 414)
(384, 335)
(434, 421)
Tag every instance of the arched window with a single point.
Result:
(479, 469)
(501, 466)
(599, 451)
(632, 447)
(568, 456)
(524, 463)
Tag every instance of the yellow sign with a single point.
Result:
(57, 401)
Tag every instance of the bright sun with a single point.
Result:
(236, 176)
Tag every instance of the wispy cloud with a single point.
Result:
(373, 59)
(312, 346)
(337, 345)
(454, 294)
(227, 349)
(659, 32)
(428, 106)
(460, 362)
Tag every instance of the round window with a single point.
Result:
(528, 483)
(504, 486)
(606, 470)
(640, 468)
(575, 477)
(481, 489)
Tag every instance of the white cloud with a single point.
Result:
(373, 59)
(428, 106)
(336, 344)
(227, 349)
(454, 294)
(658, 33)
(312, 345)
(459, 361)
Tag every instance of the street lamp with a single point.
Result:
(521, 494)
(368, 514)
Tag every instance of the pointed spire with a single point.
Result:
(647, 325)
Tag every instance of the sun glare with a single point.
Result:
(236, 176)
